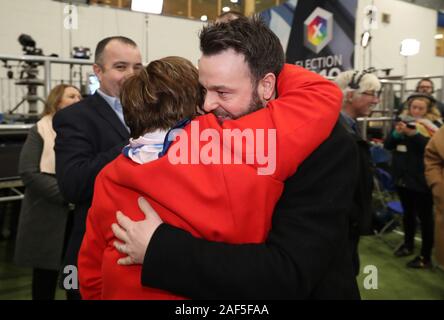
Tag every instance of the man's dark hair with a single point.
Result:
(98, 55)
(427, 80)
(248, 36)
(229, 15)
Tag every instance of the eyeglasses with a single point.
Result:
(374, 94)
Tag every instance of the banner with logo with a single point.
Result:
(318, 35)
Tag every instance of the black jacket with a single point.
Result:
(89, 135)
(362, 208)
(306, 255)
(408, 167)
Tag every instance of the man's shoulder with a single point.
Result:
(339, 137)
(80, 110)
(338, 150)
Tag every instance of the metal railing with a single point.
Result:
(10, 92)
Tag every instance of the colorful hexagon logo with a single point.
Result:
(318, 30)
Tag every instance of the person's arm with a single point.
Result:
(303, 114)
(309, 232)
(434, 159)
(418, 142)
(77, 159)
(91, 252)
(41, 184)
(392, 140)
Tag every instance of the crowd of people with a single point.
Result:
(118, 186)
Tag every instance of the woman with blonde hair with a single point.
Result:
(44, 213)
(418, 123)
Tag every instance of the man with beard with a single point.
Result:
(306, 254)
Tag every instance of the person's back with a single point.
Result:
(326, 278)
(305, 256)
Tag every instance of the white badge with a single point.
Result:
(401, 148)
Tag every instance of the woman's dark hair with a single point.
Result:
(248, 36)
(164, 92)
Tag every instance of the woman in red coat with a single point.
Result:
(239, 186)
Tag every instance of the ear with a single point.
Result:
(267, 86)
(98, 71)
(349, 96)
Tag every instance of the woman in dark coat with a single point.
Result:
(417, 124)
(44, 213)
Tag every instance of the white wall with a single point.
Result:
(407, 21)
(44, 21)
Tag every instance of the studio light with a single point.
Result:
(151, 6)
(409, 47)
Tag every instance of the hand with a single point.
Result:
(409, 132)
(400, 126)
(136, 235)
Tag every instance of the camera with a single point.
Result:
(28, 44)
(81, 53)
(408, 120)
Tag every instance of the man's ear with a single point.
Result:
(267, 86)
(349, 96)
(98, 71)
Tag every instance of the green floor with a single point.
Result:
(394, 280)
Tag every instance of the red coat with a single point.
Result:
(228, 203)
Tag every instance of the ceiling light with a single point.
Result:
(204, 18)
(439, 36)
(409, 47)
(226, 9)
(152, 6)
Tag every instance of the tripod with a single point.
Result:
(31, 96)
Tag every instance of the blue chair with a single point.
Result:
(391, 209)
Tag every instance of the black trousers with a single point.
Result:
(44, 283)
(354, 244)
(418, 204)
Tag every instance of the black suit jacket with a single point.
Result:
(362, 212)
(89, 135)
(306, 255)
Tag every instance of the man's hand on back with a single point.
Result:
(135, 235)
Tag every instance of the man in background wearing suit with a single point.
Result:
(360, 94)
(92, 133)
